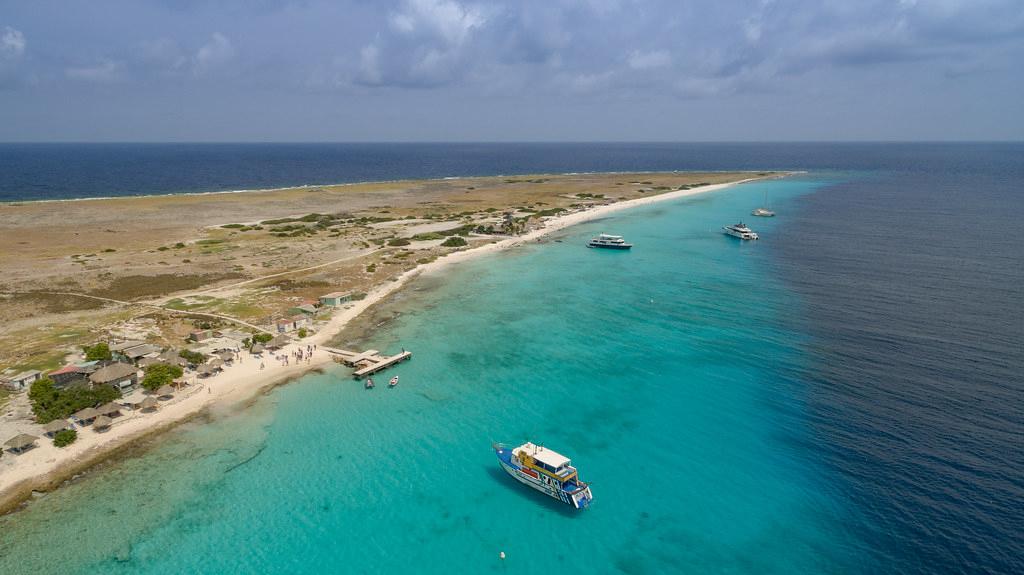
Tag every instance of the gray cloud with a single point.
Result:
(538, 61)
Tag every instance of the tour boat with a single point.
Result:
(393, 382)
(740, 231)
(546, 471)
(369, 383)
(609, 242)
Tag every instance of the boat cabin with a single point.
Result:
(546, 461)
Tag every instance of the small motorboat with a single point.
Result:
(393, 382)
(369, 383)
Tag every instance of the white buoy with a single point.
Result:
(502, 555)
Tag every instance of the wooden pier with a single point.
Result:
(368, 362)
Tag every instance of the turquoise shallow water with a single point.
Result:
(668, 373)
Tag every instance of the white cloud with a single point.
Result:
(369, 64)
(215, 53)
(12, 44)
(448, 20)
(104, 71)
(647, 60)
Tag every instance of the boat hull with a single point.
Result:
(610, 247)
(579, 499)
(742, 236)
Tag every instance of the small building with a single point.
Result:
(117, 349)
(335, 299)
(120, 375)
(23, 380)
(306, 309)
(171, 357)
(68, 374)
(302, 321)
(21, 443)
(285, 325)
(138, 352)
(200, 335)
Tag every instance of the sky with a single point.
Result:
(526, 70)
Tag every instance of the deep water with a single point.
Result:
(843, 396)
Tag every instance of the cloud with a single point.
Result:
(104, 71)
(214, 54)
(12, 44)
(647, 60)
(444, 20)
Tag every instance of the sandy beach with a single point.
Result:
(45, 467)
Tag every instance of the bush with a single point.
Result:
(303, 332)
(399, 242)
(98, 352)
(193, 357)
(428, 236)
(64, 437)
(262, 337)
(454, 242)
(160, 375)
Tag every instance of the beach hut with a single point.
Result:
(85, 416)
(206, 370)
(215, 362)
(21, 443)
(256, 349)
(102, 423)
(149, 404)
(120, 375)
(226, 356)
(165, 392)
(56, 425)
(109, 410)
(278, 342)
(335, 299)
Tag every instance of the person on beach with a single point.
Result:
(261, 365)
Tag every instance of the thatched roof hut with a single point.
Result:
(21, 442)
(279, 341)
(85, 415)
(165, 391)
(149, 404)
(102, 422)
(109, 409)
(56, 425)
(113, 373)
(256, 349)
(226, 355)
(215, 362)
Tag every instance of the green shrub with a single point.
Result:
(160, 375)
(98, 352)
(193, 357)
(233, 226)
(428, 236)
(64, 437)
(262, 337)
(303, 332)
(399, 242)
(454, 242)
(371, 268)
(50, 403)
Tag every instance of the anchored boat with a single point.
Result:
(609, 242)
(740, 231)
(546, 471)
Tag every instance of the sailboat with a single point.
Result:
(764, 212)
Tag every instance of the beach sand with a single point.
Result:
(46, 467)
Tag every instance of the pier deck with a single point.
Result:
(368, 362)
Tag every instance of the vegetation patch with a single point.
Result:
(64, 437)
(398, 242)
(50, 403)
(454, 242)
(139, 286)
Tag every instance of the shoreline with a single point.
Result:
(46, 467)
(366, 182)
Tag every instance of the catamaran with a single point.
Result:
(609, 242)
(740, 231)
(546, 471)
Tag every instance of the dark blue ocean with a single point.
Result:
(843, 396)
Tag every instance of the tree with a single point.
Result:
(160, 375)
(98, 352)
(262, 337)
(64, 437)
(303, 332)
(454, 241)
(49, 403)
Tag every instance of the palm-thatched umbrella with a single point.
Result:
(86, 415)
(165, 391)
(102, 423)
(109, 409)
(56, 425)
(149, 404)
(21, 442)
